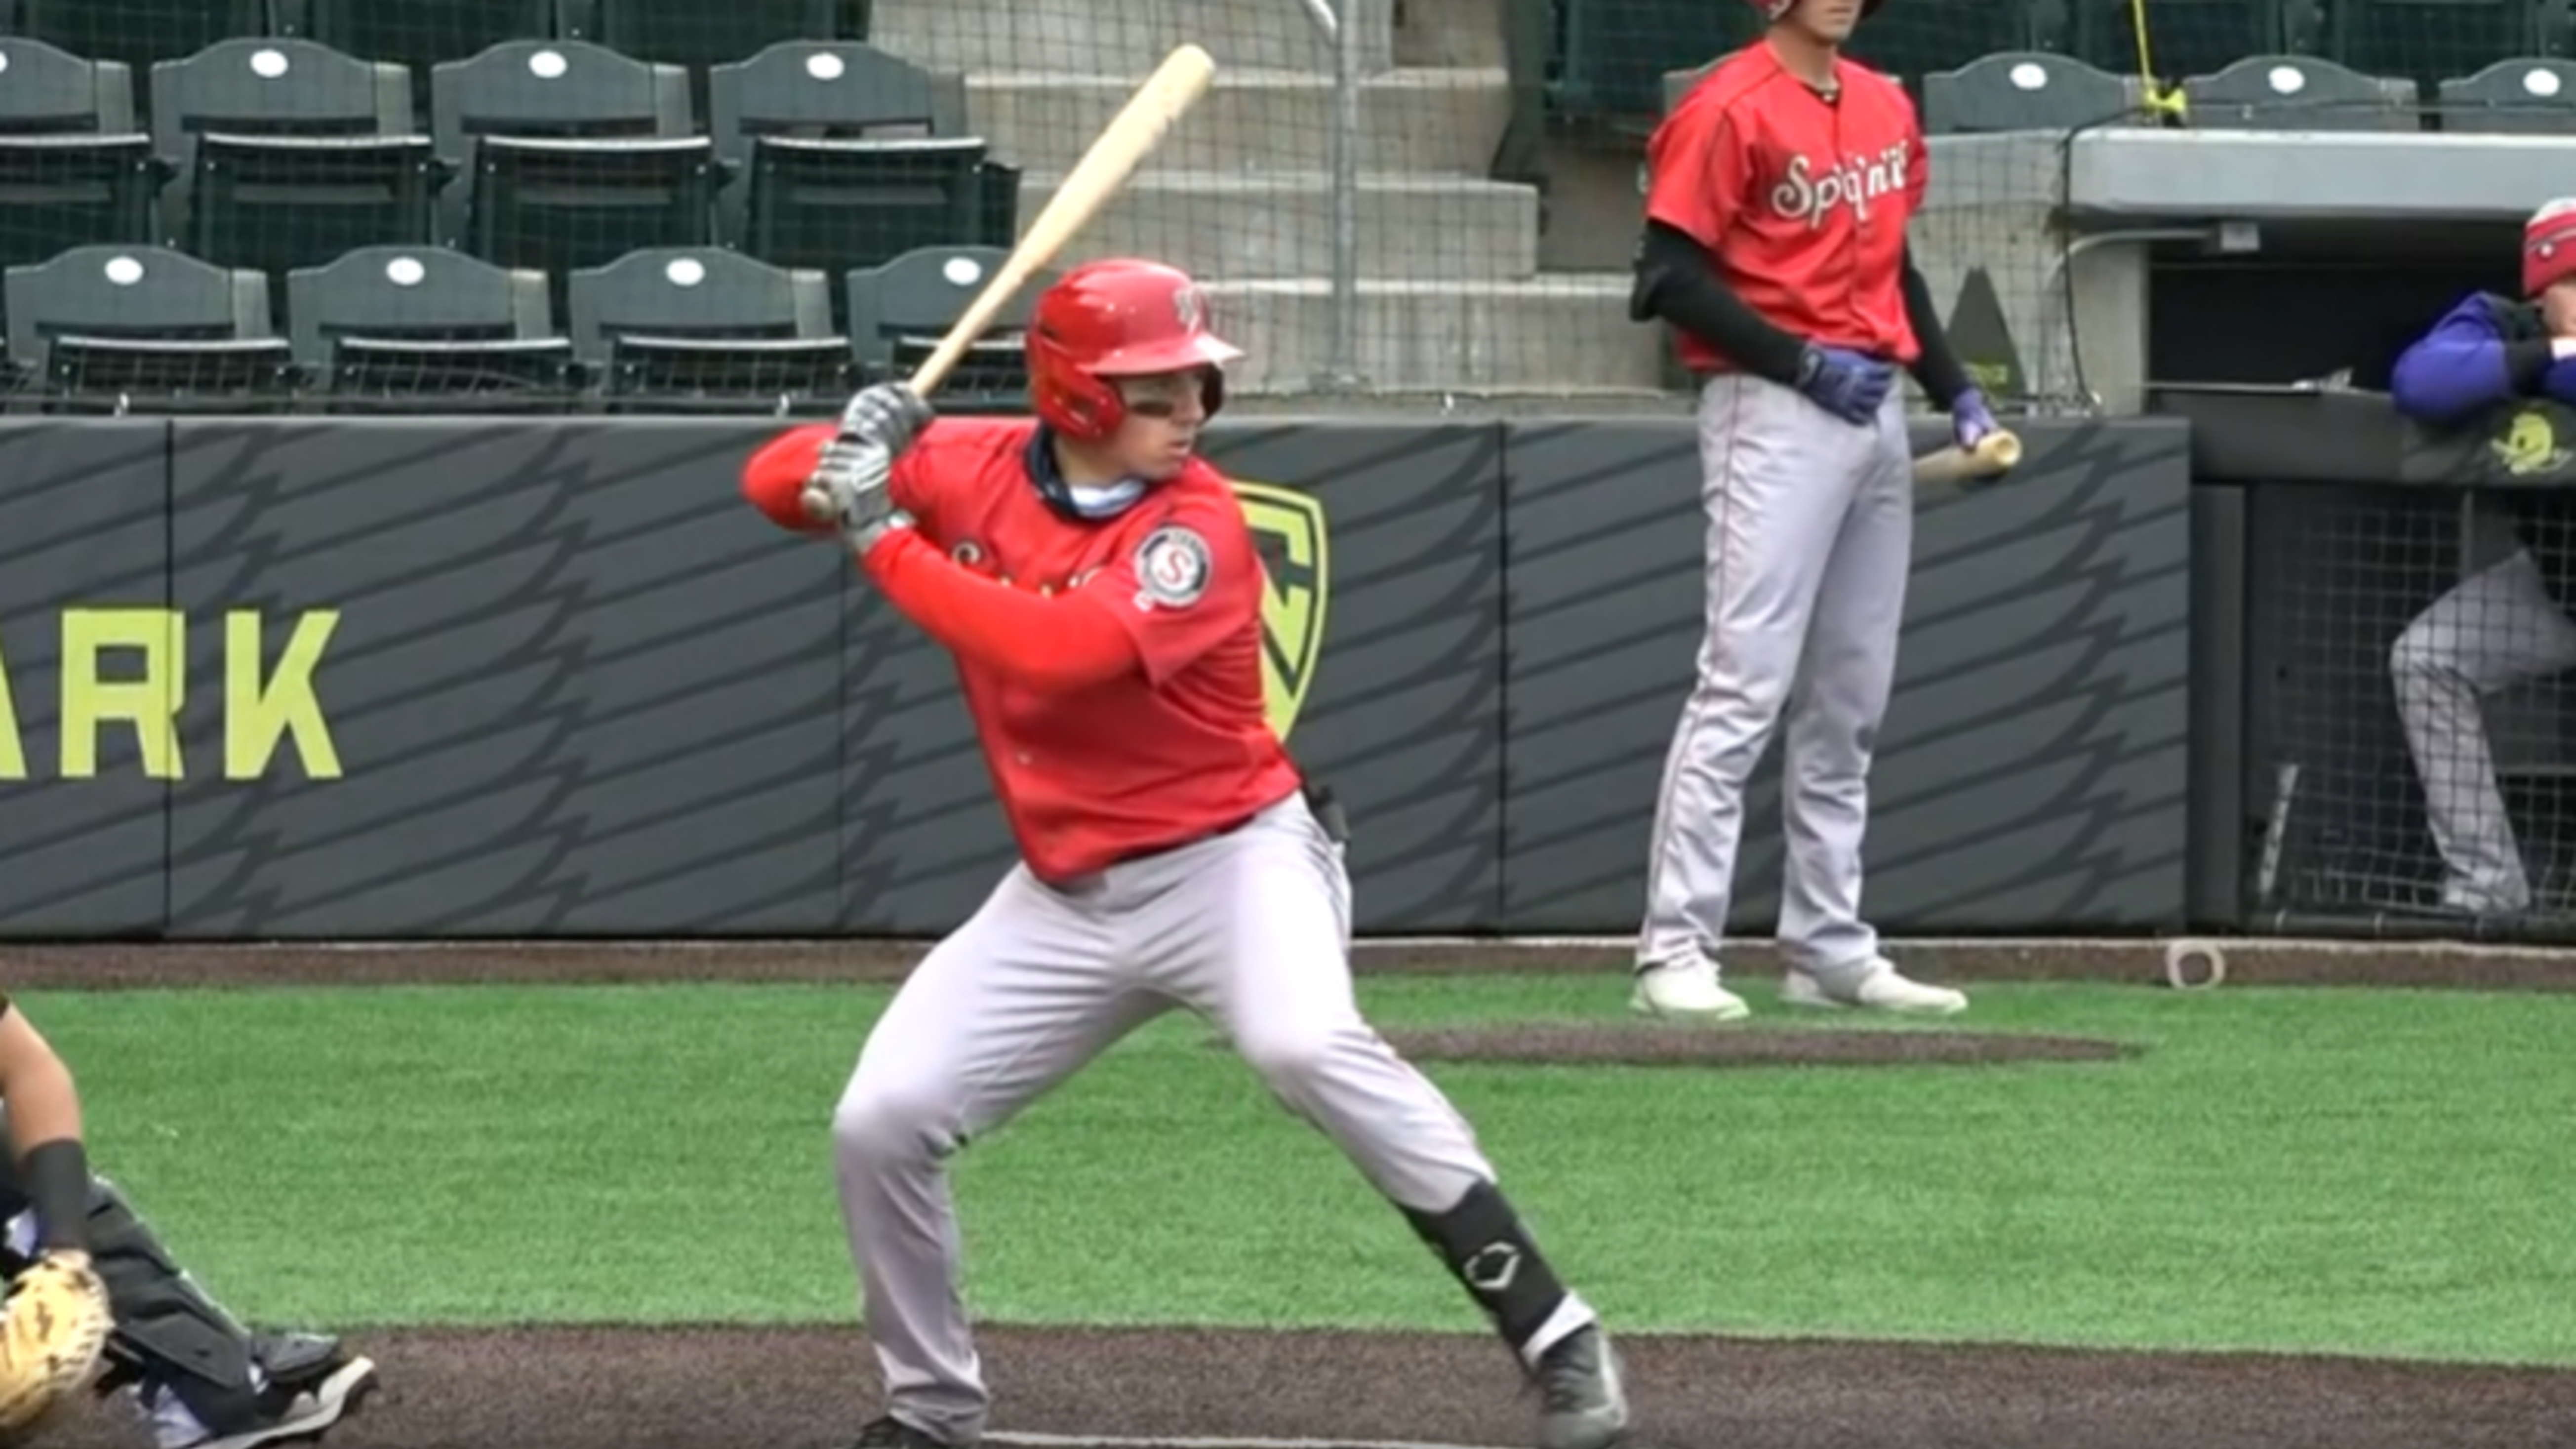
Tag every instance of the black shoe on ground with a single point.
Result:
(1583, 1404)
(893, 1433)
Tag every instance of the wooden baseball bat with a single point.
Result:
(1120, 148)
(1130, 136)
(1996, 453)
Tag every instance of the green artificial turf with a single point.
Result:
(2371, 1172)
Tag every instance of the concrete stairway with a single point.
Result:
(1451, 296)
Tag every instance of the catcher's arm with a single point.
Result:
(56, 1320)
(44, 1130)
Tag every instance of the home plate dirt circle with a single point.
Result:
(1740, 1046)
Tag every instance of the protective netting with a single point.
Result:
(2409, 702)
(472, 204)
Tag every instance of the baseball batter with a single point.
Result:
(1778, 194)
(1098, 585)
(187, 1367)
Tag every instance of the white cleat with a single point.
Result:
(1879, 988)
(1687, 991)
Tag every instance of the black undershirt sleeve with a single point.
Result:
(1936, 367)
(1675, 283)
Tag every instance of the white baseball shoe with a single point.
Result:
(1875, 985)
(1686, 991)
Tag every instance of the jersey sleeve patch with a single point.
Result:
(1173, 566)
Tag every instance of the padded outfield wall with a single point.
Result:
(291, 678)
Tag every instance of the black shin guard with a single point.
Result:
(1482, 1242)
(167, 1329)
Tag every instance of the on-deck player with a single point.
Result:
(1098, 585)
(176, 1358)
(1777, 199)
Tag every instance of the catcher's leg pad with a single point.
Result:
(168, 1330)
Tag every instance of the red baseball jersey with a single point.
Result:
(1149, 759)
(1800, 202)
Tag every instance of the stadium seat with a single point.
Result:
(573, 155)
(821, 142)
(288, 153)
(397, 329)
(832, 205)
(699, 36)
(2427, 40)
(1913, 38)
(2300, 93)
(2526, 96)
(899, 311)
(424, 34)
(103, 328)
(138, 33)
(2027, 91)
(2188, 37)
(699, 328)
(74, 167)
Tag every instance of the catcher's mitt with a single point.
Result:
(53, 1330)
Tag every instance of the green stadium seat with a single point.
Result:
(2189, 37)
(2301, 93)
(2526, 96)
(424, 34)
(2428, 40)
(75, 169)
(830, 93)
(573, 156)
(111, 329)
(139, 33)
(898, 313)
(400, 329)
(703, 328)
(288, 153)
(1910, 39)
(2435, 40)
(2027, 91)
(701, 36)
(832, 204)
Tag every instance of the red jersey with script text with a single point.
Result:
(1800, 201)
(1151, 758)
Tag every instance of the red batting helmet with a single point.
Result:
(1111, 319)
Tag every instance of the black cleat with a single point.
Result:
(1582, 1402)
(893, 1433)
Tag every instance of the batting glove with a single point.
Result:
(1848, 384)
(889, 415)
(854, 481)
(1970, 419)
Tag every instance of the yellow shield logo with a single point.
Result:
(2529, 445)
(1288, 530)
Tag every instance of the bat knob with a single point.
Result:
(2000, 448)
(818, 505)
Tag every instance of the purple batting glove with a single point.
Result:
(1971, 419)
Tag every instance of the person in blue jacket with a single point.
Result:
(2507, 623)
